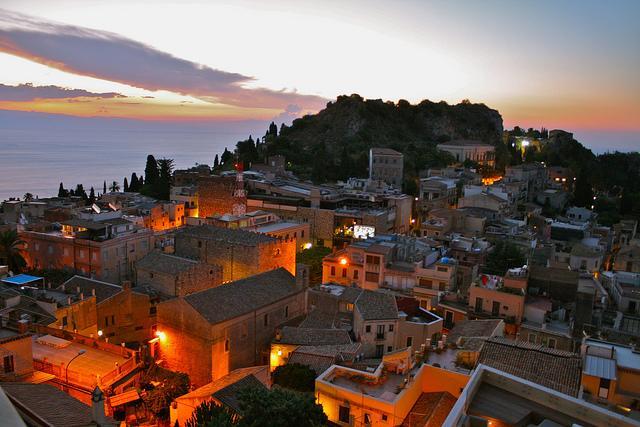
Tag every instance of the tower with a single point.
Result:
(239, 195)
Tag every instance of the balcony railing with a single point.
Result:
(380, 336)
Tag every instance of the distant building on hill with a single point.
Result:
(386, 165)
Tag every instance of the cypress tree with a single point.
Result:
(152, 176)
(133, 183)
(126, 185)
(216, 162)
(104, 188)
(62, 192)
(92, 195)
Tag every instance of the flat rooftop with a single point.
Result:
(59, 352)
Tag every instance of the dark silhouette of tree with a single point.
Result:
(273, 129)
(281, 407)
(125, 185)
(227, 156)
(583, 192)
(165, 167)
(104, 187)
(92, 195)
(210, 414)
(151, 176)
(62, 192)
(79, 192)
(27, 197)
(114, 187)
(216, 162)
(505, 255)
(11, 247)
(295, 376)
(161, 387)
(134, 185)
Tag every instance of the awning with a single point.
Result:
(21, 279)
(123, 398)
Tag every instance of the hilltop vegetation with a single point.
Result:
(334, 143)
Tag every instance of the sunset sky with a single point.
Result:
(568, 64)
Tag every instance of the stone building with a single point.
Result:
(215, 195)
(240, 253)
(474, 150)
(175, 276)
(123, 314)
(106, 250)
(227, 327)
(386, 165)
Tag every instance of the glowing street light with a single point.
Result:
(343, 261)
(161, 335)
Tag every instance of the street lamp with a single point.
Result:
(80, 353)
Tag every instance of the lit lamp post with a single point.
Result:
(80, 353)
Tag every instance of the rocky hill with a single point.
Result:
(334, 143)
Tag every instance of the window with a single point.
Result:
(333, 270)
(371, 277)
(344, 272)
(349, 307)
(286, 311)
(384, 417)
(150, 275)
(343, 414)
(379, 351)
(409, 341)
(302, 233)
(153, 310)
(495, 308)
(226, 346)
(478, 305)
(373, 260)
(266, 320)
(603, 390)
(8, 364)
(390, 328)
(532, 338)
(106, 320)
(199, 243)
(367, 329)
(367, 419)
(65, 321)
(113, 320)
(551, 343)
(442, 269)
(355, 274)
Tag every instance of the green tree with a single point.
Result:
(281, 407)
(114, 187)
(583, 191)
(125, 185)
(62, 192)
(210, 414)
(165, 167)
(161, 387)
(227, 156)
(505, 255)
(27, 197)
(151, 176)
(295, 376)
(134, 185)
(216, 162)
(313, 258)
(79, 192)
(92, 195)
(11, 247)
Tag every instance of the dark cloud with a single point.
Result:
(109, 56)
(28, 92)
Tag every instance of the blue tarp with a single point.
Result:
(21, 279)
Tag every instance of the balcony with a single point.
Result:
(380, 336)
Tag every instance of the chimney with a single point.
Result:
(81, 296)
(97, 407)
(93, 292)
(23, 325)
(68, 300)
(126, 285)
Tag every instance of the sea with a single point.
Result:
(35, 159)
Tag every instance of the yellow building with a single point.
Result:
(396, 392)
(611, 373)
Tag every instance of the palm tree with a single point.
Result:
(11, 250)
(114, 187)
(27, 197)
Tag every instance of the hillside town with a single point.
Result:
(487, 299)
